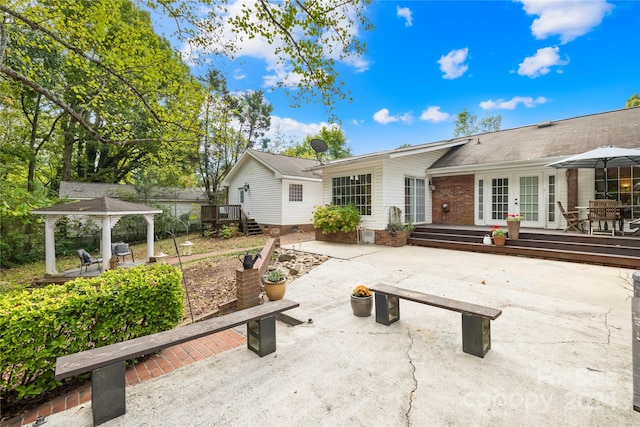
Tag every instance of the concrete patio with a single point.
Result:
(561, 351)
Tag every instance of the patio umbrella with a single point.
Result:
(604, 157)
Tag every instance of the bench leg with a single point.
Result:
(107, 392)
(387, 309)
(476, 335)
(261, 336)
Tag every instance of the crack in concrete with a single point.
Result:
(413, 375)
(606, 325)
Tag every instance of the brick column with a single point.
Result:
(247, 288)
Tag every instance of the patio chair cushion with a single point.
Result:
(84, 256)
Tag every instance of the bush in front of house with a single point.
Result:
(40, 325)
(332, 218)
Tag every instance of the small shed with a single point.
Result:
(108, 210)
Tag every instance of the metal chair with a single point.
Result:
(573, 221)
(121, 249)
(86, 260)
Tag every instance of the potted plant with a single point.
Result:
(499, 236)
(275, 284)
(361, 301)
(513, 225)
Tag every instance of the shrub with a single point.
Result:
(332, 218)
(40, 325)
(228, 231)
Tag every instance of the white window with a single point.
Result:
(353, 190)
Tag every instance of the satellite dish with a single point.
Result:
(319, 146)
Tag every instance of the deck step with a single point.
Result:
(615, 251)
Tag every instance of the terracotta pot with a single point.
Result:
(499, 240)
(362, 306)
(275, 290)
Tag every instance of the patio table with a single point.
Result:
(583, 212)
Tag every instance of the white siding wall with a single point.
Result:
(395, 171)
(375, 169)
(388, 184)
(296, 213)
(262, 201)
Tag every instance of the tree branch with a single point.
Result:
(79, 52)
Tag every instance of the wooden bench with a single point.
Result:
(107, 364)
(476, 326)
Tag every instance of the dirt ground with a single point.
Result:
(211, 282)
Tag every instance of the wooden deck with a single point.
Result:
(615, 251)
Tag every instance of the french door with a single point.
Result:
(512, 194)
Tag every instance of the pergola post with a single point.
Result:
(50, 243)
(105, 246)
(150, 236)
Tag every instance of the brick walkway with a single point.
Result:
(161, 363)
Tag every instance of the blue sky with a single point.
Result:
(529, 61)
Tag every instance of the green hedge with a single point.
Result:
(40, 325)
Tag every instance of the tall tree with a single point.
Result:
(334, 138)
(633, 101)
(467, 124)
(230, 125)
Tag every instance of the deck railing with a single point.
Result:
(219, 215)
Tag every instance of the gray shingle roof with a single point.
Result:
(91, 190)
(285, 165)
(620, 128)
(100, 206)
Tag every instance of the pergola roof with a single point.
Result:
(100, 206)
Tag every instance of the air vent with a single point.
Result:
(544, 124)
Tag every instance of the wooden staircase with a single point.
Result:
(614, 251)
(253, 228)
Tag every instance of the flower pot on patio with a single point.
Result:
(513, 227)
(361, 301)
(499, 240)
(362, 306)
(275, 285)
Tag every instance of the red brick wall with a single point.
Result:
(384, 237)
(572, 188)
(338, 237)
(458, 193)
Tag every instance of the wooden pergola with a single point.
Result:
(108, 210)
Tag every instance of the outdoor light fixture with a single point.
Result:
(432, 185)
(246, 186)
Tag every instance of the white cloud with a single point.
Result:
(277, 72)
(383, 117)
(292, 131)
(501, 104)
(540, 63)
(405, 12)
(568, 19)
(433, 114)
(452, 64)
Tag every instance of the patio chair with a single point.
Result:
(573, 221)
(121, 249)
(603, 210)
(86, 260)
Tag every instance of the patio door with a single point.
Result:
(516, 194)
(528, 200)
